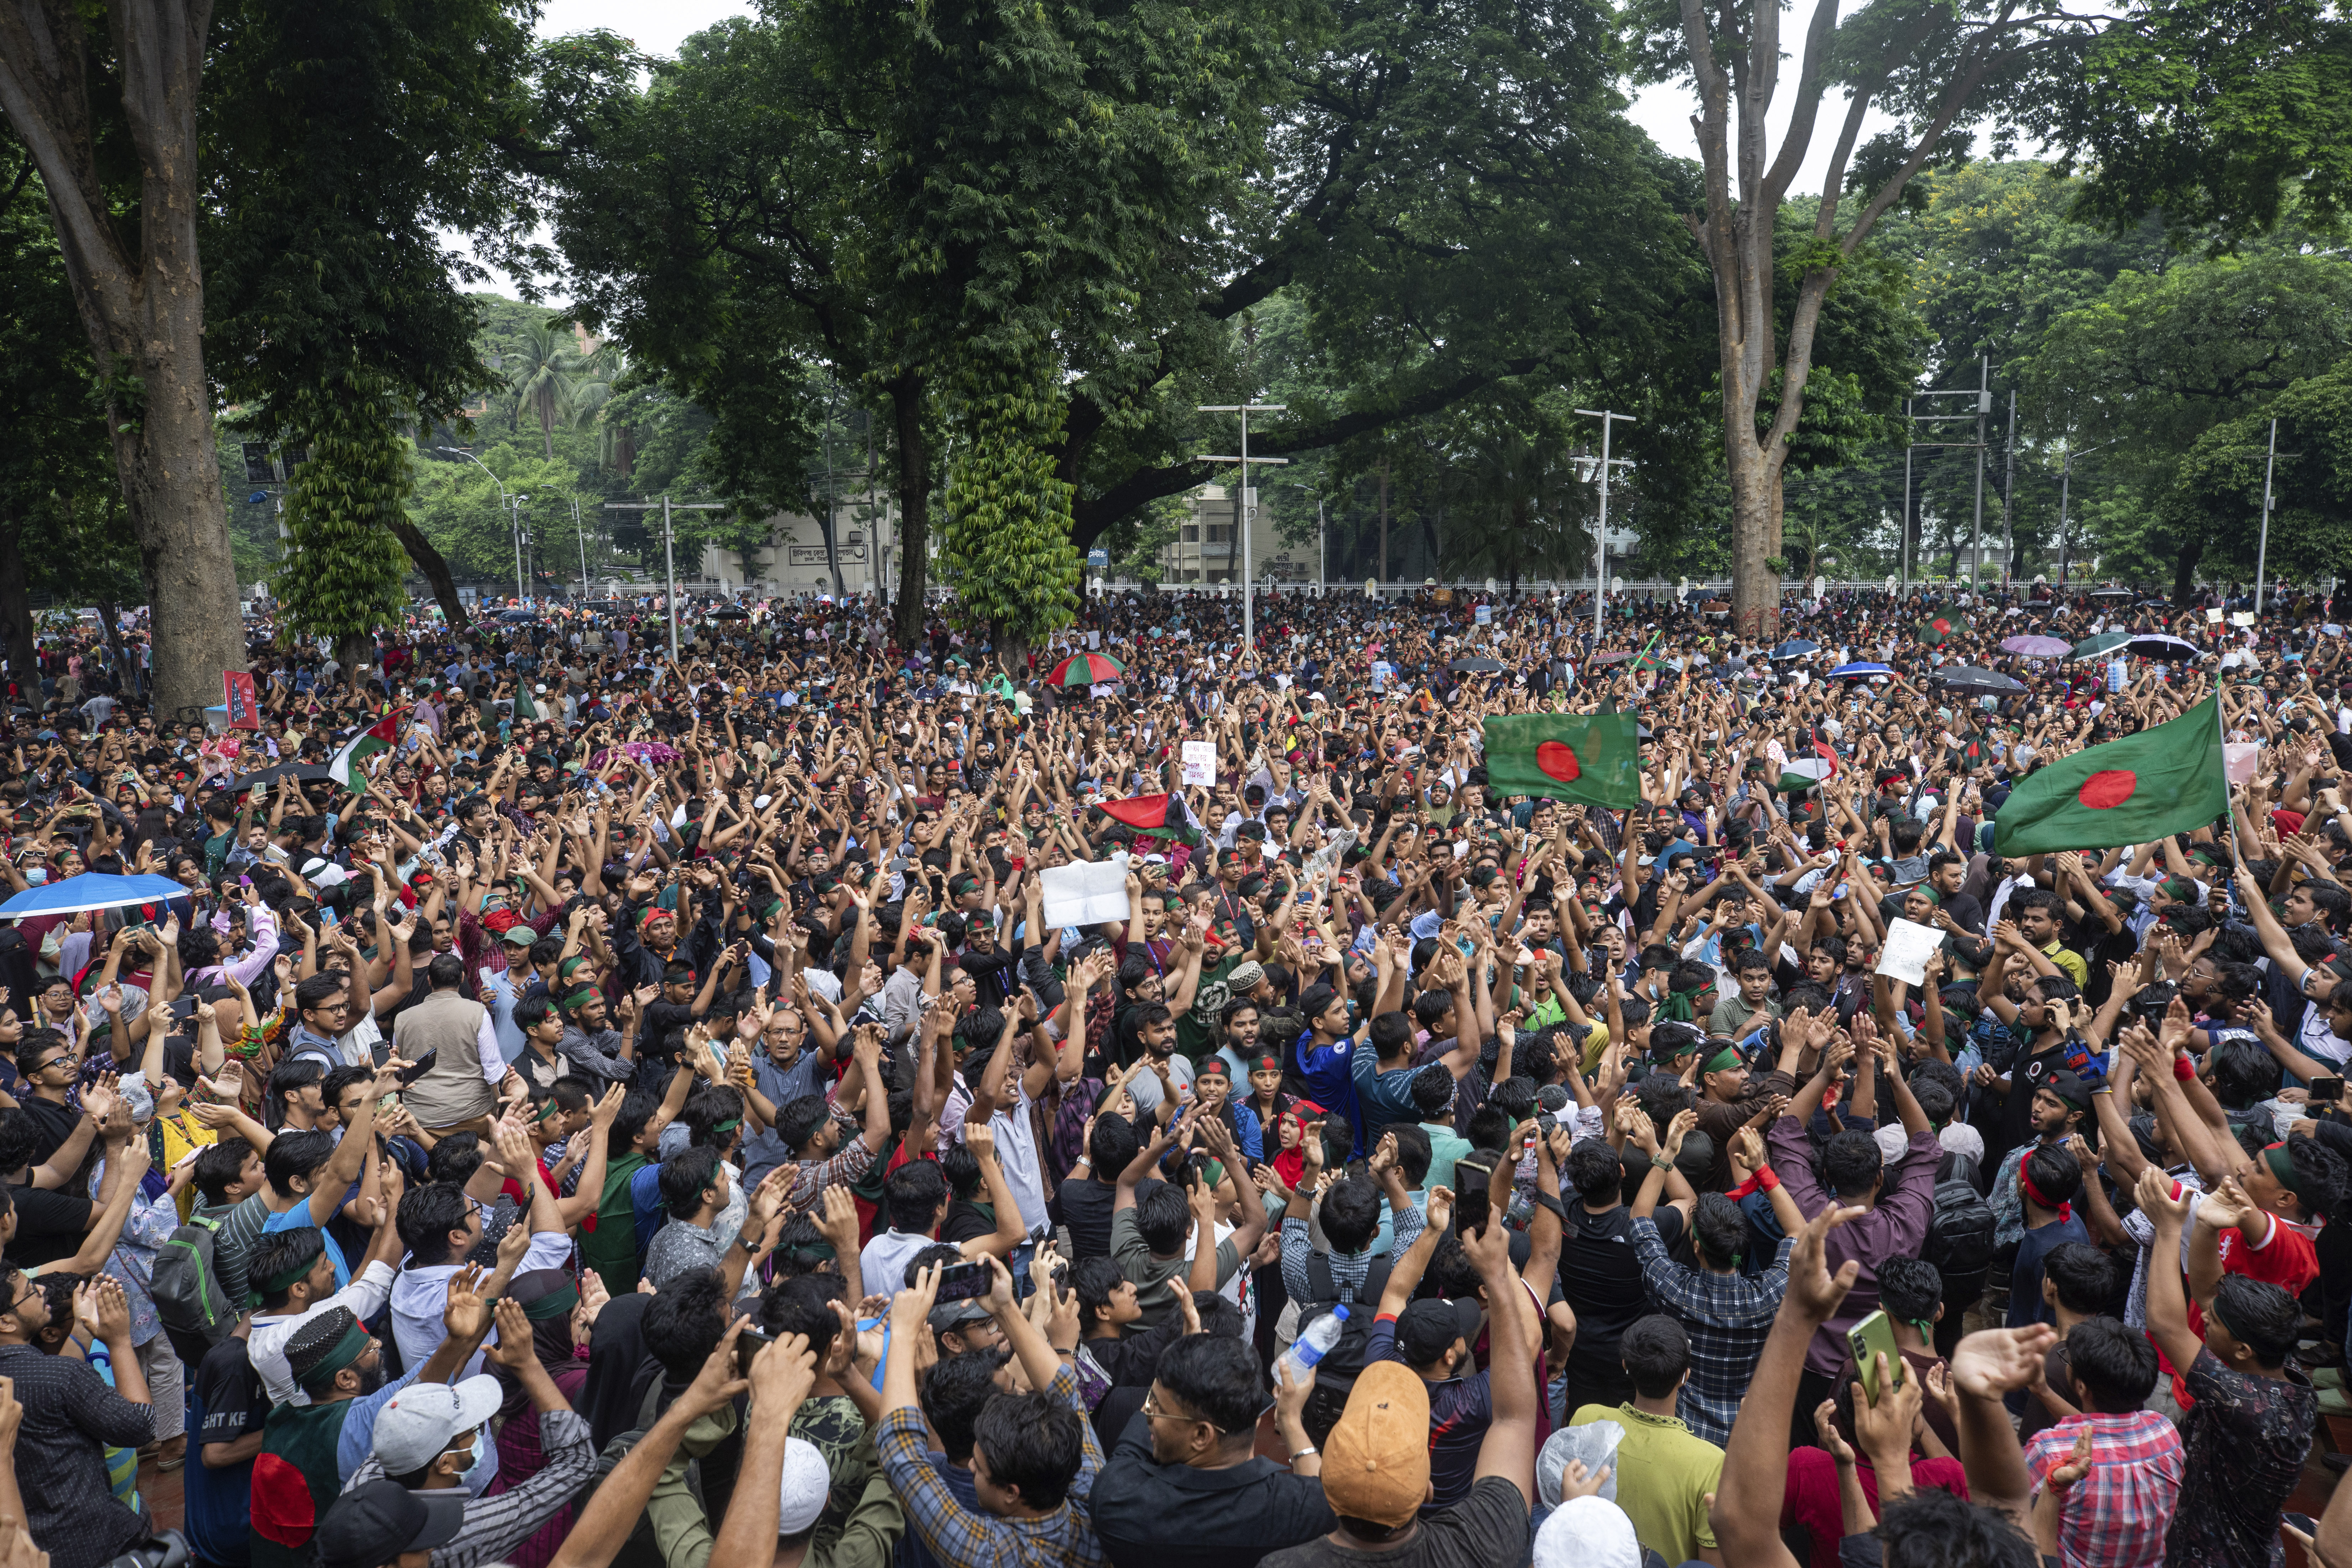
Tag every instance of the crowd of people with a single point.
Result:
(565, 1101)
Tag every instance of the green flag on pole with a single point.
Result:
(2164, 780)
(1591, 759)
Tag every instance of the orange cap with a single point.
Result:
(1376, 1461)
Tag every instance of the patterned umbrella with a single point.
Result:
(2036, 648)
(1087, 670)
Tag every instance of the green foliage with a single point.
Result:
(1004, 548)
(2217, 497)
(344, 576)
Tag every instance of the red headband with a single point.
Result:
(2025, 1184)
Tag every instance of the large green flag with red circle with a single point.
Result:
(1936, 626)
(2164, 780)
(1592, 759)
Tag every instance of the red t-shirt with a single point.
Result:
(2285, 1258)
(1811, 1497)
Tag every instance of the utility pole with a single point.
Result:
(2008, 483)
(2263, 551)
(1242, 511)
(580, 532)
(1601, 525)
(2065, 482)
(516, 525)
(669, 557)
(1906, 538)
(1984, 407)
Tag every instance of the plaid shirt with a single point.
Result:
(1727, 1316)
(811, 1177)
(960, 1538)
(2116, 1516)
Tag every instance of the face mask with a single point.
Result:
(482, 1466)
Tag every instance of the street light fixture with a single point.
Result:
(2065, 480)
(512, 503)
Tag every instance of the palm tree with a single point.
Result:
(542, 373)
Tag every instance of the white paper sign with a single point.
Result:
(1201, 763)
(2213, 617)
(1086, 892)
(1904, 955)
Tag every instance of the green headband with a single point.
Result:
(727, 1126)
(2276, 1157)
(285, 1279)
(578, 999)
(1723, 1060)
(554, 1304)
(348, 1349)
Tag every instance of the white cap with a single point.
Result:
(1588, 1532)
(424, 1418)
(800, 1497)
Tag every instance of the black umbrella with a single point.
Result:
(1969, 678)
(2163, 645)
(1477, 667)
(517, 614)
(730, 614)
(300, 773)
(2111, 593)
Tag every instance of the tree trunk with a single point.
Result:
(17, 618)
(914, 512)
(109, 621)
(1755, 587)
(2184, 571)
(429, 561)
(144, 308)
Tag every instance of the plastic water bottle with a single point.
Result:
(1314, 1344)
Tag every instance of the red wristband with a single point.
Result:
(1766, 1179)
(2183, 1068)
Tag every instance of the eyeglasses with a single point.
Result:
(1152, 1412)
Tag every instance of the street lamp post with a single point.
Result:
(1242, 511)
(1601, 525)
(2065, 482)
(461, 452)
(669, 557)
(516, 525)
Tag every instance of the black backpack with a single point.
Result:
(1960, 1231)
(1336, 1373)
(185, 1284)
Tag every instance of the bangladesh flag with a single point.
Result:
(1591, 759)
(1156, 816)
(2169, 779)
(1939, 624)
(379, 736)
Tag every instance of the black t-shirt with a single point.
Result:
(1601, 1277)
(49, 1226)
(2015, 1126)
(1085, 1206)
(234, 1400)
(1488, 1527)
(967, 1221)
(55, 1123)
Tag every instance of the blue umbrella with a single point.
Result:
(1859, 670)
(91, 890)
(1796, 648)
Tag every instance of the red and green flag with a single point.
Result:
(1156, 816)
(2166, 780)
(380, 736)
(1940, 624)
(1591, 759)
(1800, 773)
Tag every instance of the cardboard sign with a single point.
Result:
(1201, 763)
(244, 702)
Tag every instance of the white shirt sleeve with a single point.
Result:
(486, 1046)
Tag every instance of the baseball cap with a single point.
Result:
(373, 1524)
(424, 1418)
(518, 935)
(1376, 1461)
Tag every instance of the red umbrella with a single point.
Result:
(1087, 670)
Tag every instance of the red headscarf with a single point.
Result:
(1290, 1163)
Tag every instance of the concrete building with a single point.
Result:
(1205, 549)
(795, 560)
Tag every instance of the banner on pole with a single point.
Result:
(243, 702)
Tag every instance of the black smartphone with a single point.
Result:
(1473, 1207)
(2327, 1089)
(419, 1068)
(964, 1281)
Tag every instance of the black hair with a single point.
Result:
(1351, 1214)
(1515, 1097)
(2321, 1176)
(2082, 1277)
(803, 1305)
(685, 1321)
(1931, 1528)
(2054, 1173)
(333, 1086)
(425, 1217)
(1095, 1281)
(1033, 1442)
(1413, 1152)
(1217, 1378)
(1851, 1164)
(2264, 1318)
(445, 973)
(1163, 1216)
(2115, 1365)
(1489, 1128)
(1909, 1288)
(217, 1166)
(532, 1011)
(684, 1177)
(961, 1166)
(454, 1159)
(1934, 1100)
(1432, 1091)
(912, 1195)
(1720, 1229)
(1112, 1146)
(637, 1108)
(800, 1121)
(1596, 1173)
(705, 1108)
(958, 1389)
(1656, 1352)
(296, 1155)
(276, 1252)
(2242, 1073)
